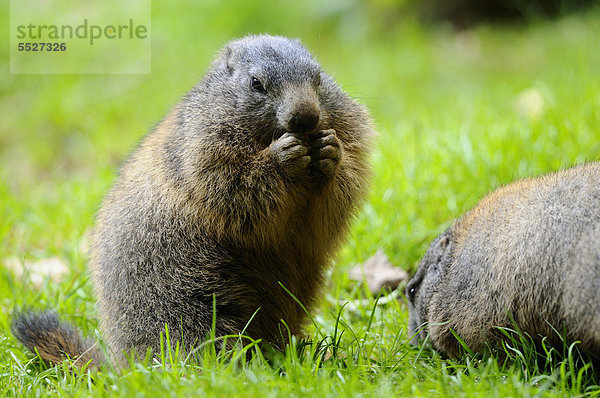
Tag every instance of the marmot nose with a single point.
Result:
(304, 121)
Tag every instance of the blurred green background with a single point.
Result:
(459, 112)
(462, 105)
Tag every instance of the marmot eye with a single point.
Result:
(411, 293)
(257, 85)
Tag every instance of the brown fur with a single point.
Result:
(528, 255)
(55, 341)
(241, 188)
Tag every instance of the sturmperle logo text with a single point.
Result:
(85, 30)
(99, 37)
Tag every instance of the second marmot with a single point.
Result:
(528, 255)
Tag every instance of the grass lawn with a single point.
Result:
(459, 114)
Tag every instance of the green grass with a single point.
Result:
(445, 104)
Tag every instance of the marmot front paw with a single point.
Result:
(325, 153)
(291, 152)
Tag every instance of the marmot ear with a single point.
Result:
(224, 61)
(228, 60)
(444, 242)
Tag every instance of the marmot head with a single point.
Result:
(423, 286)
(268, 85)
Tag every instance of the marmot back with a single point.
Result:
(529, 251)
(248, 185)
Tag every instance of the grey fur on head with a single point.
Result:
(281, 66)
(527, 256)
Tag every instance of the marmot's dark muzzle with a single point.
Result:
(304, 120)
